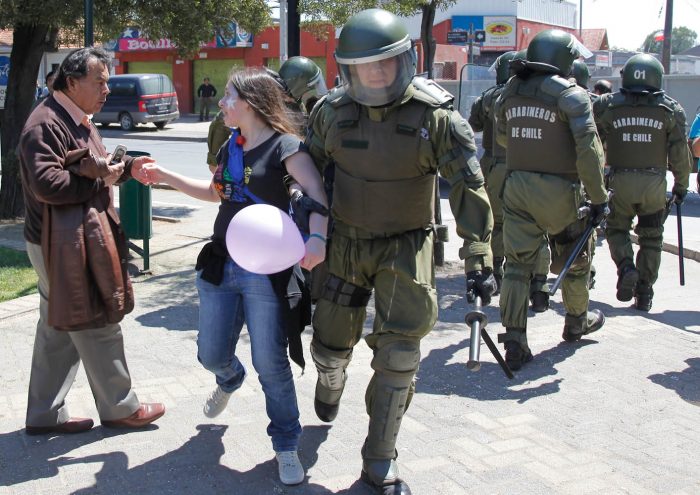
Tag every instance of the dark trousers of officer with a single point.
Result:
(400, 269)
(536, 205)
(640, 194)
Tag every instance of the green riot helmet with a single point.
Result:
(303, 79)
(579, 71)
(375, 57)
(642, 74)
(502, 68)
(554, 51)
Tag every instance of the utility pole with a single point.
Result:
(293, 34)
(89, 32)
(283, 32)
(666, 47)
(580, 20)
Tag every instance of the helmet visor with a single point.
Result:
(379, 82)
(578, 49)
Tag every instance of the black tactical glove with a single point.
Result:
(599, 212)
(480, 284)
(679, 192)
(301, 207)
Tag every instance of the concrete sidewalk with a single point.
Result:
(614, 413)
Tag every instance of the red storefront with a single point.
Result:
(137, 55)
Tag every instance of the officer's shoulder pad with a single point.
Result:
(430, 92)
(671, 104)
(555, 85)
(574, 101)
(338, 96)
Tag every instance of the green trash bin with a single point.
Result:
(135, 212)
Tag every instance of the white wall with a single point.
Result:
(556, 12)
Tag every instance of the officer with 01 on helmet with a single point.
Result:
(644, 130)
(546, 123)
(385, 134)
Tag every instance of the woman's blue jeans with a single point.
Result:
(247, 297)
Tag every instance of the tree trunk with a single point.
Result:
(426, 36)
(28, 46)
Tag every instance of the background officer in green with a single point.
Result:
(581, 75)
(493, 166)
(546, 123)
(385, 134)
(644, 130)
(304, 80)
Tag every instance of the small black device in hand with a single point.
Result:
(118, 154)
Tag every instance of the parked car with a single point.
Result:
(139, 99)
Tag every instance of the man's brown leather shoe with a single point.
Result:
(144, 415)
(73, 425)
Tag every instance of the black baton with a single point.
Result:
(477, 321)
(681, 265)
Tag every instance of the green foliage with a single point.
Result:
(682, 38)
(338, 11)
(186, 22)
(17, 277)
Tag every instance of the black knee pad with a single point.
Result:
(345, 293)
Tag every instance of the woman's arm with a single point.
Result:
(197, 188)
(301, 167)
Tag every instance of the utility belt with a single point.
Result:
(568, 176)
(359, 233)
(638, 170)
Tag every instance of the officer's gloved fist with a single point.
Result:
(599, 212)
(480, 284)
(679, 192)
(301, 207)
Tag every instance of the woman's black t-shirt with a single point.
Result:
(264, 172)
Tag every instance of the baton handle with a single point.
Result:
(476, 319)
(681, 262)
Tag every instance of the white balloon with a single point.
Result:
(263, 239)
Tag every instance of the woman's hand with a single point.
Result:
(153, 174)
(138, 171)
(315, 253)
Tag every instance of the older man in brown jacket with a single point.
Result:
(83, 281)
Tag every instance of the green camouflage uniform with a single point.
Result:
(384, 161)
(546, 123)
(493, 166)
(218, 135)
(645, 135)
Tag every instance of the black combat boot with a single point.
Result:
(643, 294)
(576, 327)
(383, 476)
(539, 298)
(517, 351)
(539, 301)
(626, 280)
(325, 412)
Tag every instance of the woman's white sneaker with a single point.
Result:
(290, 470)
(216, 403)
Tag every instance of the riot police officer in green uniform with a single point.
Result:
(385, 134)
(304, 80)
(581, 75)
(546, 123)
(493, 166)
(644, 130)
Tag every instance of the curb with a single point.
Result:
(162, 136)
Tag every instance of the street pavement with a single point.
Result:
(614, 413)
